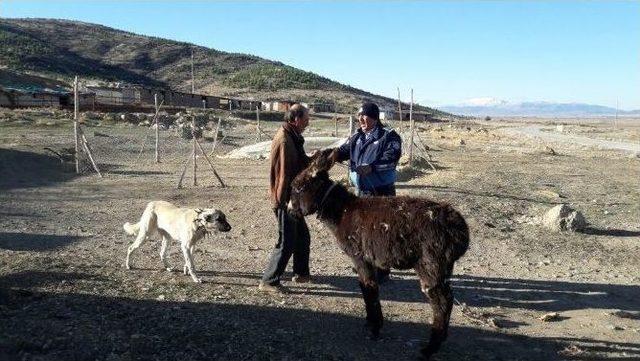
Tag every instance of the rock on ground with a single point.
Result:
(564, 218)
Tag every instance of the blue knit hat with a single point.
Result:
(371, 110)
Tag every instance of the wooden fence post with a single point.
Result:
(155, 100)
(335, 119)
(75, 123)
(195, 163)
(412, 129)
(210, 164)
(400, 112)
(258, 136)
(215, 137)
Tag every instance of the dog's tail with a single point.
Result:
(131, 229)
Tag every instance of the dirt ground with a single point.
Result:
(65, 295)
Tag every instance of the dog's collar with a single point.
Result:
(199, 222)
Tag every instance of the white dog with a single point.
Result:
(185, 225)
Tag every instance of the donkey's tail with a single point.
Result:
(458, 231)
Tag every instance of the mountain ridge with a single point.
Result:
(535, 108)
(60, 49)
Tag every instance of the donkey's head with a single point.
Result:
(307, 186)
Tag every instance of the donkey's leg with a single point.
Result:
(436, 287)
(369, 287)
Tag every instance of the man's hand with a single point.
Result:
(364, 170)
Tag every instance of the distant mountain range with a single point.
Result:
(481, 107)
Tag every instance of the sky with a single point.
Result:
(447, 52)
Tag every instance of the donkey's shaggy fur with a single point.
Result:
(388, 232)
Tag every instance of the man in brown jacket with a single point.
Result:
(288, 158)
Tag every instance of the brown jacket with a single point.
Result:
(287, 160)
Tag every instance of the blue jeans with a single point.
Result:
(387, 190)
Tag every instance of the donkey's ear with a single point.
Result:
(326, 159)
(313, 170)
(315, 155)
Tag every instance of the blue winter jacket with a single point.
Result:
(382, 151)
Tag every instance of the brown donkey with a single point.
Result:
(387, 232)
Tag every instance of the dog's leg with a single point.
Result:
(185, 269)
(188, 258)
(137, 243)
(164, 253)
(148, 221)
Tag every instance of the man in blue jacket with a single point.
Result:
(373, 153)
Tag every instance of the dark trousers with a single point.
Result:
(293, 239)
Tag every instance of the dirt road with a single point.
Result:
(549, 134)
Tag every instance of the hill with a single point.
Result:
(60, 49)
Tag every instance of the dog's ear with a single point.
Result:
(218, 215)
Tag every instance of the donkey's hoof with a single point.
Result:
(374, 332)
(426, 352)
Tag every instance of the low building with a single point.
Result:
(19, 90)
(322, 107)
(277, 105)
(392, 114)
(16, 97)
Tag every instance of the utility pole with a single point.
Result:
(193, 85)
